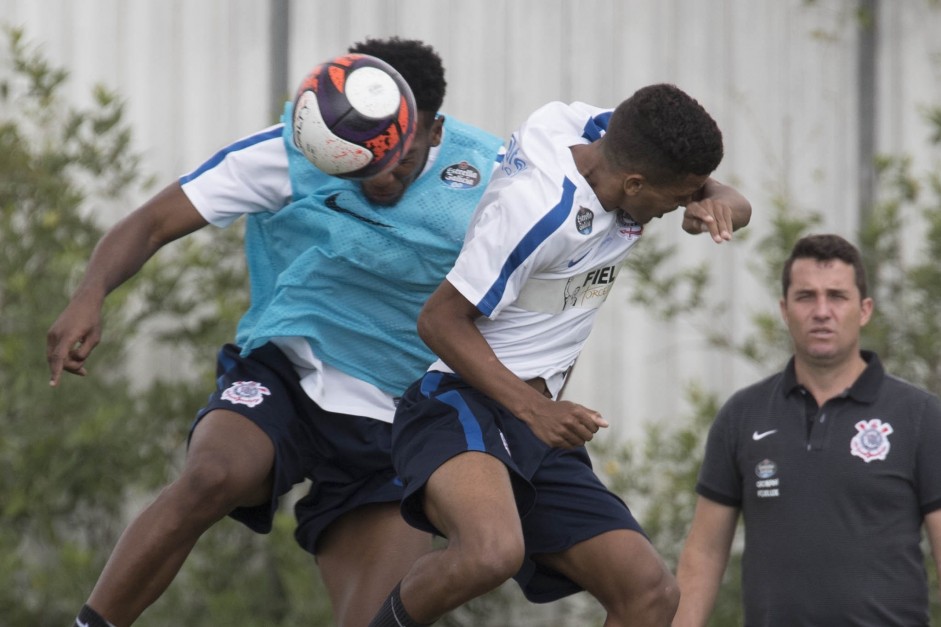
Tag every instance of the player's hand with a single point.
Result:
(564, 424)
(714, 216)
(71, 338)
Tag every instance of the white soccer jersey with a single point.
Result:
(249, 176)
(541, 254)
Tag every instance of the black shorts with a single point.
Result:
(560, 499)
(347, 458)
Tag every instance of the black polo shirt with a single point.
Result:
(832, 498)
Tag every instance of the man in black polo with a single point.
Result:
(834, 465)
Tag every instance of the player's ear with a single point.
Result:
(633, 184)
(866, 307)
(437, 128)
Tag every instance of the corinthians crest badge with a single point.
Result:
(871, 441)
(249, 393)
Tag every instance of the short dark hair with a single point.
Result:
(825, 247)
(664, 134)
(417, 62)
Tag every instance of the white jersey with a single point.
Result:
(249, 176)
(541, 254)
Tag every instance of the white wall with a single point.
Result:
(778, 75)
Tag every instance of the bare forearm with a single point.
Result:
(116, 258)
(465, 350)
(447, 324)
(127, 246)
(698, 577)
(741, 208)
(703, 561)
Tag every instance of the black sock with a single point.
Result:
(393, 614)
(88, 617)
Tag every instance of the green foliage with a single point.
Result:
(667, 457)
(77, 460)
(57, 505)
(904, 282)
(666, 294)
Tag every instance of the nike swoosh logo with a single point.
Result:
(574, 261)
(331, 203)
(81, 623)
(758, 436)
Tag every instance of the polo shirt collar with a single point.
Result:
(865, 389)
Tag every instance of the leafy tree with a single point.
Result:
(76, 461)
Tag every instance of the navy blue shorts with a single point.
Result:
(560, 499)
(347, 458)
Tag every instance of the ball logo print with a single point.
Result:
(354, 117)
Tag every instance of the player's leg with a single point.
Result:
(582, 536)
(625, 573)
(228, 464)
(470, 499)
(462, 483)
(363, 555)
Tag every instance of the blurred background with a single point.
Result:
(829, 110)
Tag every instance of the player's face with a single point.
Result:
(387, 189)
(644, 201)
(824, 311)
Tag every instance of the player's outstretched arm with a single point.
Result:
(703, 561)
(118, 256)
(446, 325)
(717, 209)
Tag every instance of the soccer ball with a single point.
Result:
(354, 116)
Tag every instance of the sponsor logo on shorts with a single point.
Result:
(871, 441)
(461, 175)
(250, 393)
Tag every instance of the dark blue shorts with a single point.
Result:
(560, 499)
(347, 458)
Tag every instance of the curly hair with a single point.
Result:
(417, 62)
(825, 247)
(663, 133)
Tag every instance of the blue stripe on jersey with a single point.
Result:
(239, 145)
(530, 242)
(595, 126)
(472, 434)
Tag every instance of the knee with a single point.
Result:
(207, 486)
(490, 562)
(665, 597)
(655, 595)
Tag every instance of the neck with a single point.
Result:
(828, 380)
(587, 159)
